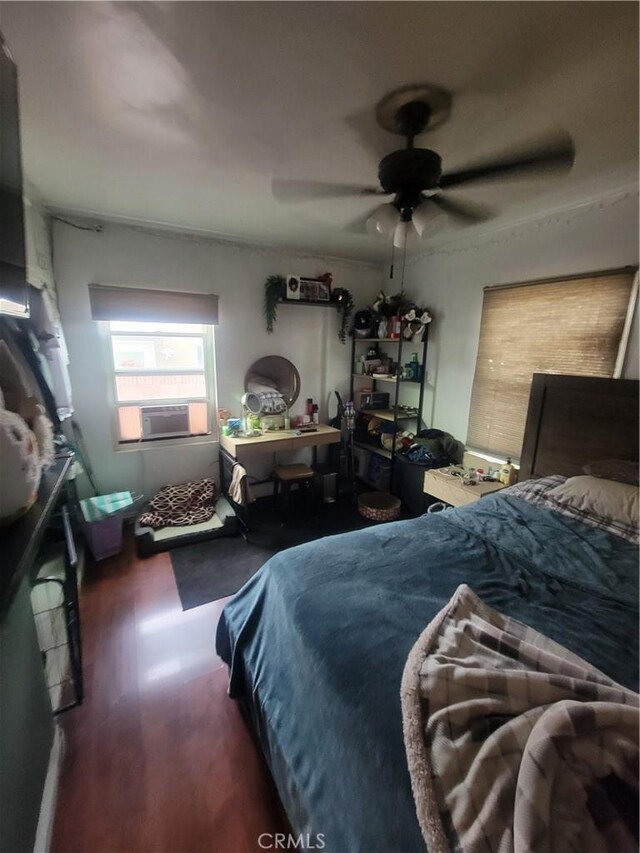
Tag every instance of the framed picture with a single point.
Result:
(308, 290)
(324, 291)
(312, 290)
(293, 288)
(301, 289)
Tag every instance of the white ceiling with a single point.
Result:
(182, 113)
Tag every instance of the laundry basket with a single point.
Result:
(102, 519)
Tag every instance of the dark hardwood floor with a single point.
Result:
(158, 757)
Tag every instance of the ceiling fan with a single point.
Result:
(414, 177)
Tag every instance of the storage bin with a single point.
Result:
(379, 473)
(102, 518)
(104, 536)
(379, 506)
(408, 484)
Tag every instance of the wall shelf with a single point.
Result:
(393, 379)
(379, 451)
(318, 303)
(405, 341)
(387, 414)
(378, 340)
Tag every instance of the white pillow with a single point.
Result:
(594, 496)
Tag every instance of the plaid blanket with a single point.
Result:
(513, 742)
(536, 492)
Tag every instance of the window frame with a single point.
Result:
(207, 335)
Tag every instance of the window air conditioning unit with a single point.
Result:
(165, 421)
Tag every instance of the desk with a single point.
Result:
(441, 485)
(244, 449)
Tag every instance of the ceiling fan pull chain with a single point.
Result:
(404, 258)
(393, 251)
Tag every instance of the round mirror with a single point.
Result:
(274, 372)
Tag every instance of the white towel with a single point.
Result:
(236, 491)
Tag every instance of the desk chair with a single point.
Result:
(287, 476)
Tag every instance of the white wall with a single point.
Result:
(37, 240)
(597, 236)
(123, 255)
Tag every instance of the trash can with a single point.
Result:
(326, 484)
(102, 519)
(409, 483)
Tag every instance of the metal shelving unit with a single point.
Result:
(395, 413)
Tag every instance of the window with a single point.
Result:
(163, 379)
(573, 326)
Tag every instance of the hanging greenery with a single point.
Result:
(344, 303)
(273, 291)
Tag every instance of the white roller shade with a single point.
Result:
(152, 306)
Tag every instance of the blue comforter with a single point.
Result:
(318, 638)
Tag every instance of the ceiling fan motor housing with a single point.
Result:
(406, 173)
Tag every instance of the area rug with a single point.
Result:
(206, 571)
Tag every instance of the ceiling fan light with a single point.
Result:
(427, 220)
(401, 233)
(384, 220)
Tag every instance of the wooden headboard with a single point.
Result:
(574, 420)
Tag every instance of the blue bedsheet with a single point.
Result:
(318, 638)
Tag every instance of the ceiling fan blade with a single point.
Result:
(293, 191)
(553, 155)
(464, 211)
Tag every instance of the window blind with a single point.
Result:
(152, 306)
(571, 326)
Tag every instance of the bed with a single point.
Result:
(317, 640)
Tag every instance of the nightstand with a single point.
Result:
(439, 484)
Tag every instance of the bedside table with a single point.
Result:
(439, 484)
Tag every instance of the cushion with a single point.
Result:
(181, 505)
(594, 496)
(620, 470)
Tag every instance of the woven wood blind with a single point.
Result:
(571, 326)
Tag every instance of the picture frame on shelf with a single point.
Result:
(324, 291)
(292, 291)
(312, 290)
(301, 289)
